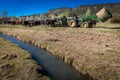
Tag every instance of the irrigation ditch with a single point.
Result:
(53, 67)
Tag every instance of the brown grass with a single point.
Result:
(90, 51)
(108, 25)
(16, 64)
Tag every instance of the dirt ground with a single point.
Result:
(95, 51)
(16, 64)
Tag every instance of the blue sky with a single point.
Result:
(26, 7)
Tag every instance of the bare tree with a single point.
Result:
(4, 14)
(4, 17)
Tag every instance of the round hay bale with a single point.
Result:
(104, 15)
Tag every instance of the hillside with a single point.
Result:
(113, 8)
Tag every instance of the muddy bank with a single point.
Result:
(16, 64)
(88, 50)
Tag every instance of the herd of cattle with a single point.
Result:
(29, 23)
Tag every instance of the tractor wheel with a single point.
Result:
(73, 23)
(85, 25)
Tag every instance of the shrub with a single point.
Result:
(115, 19)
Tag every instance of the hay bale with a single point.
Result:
(103, 15)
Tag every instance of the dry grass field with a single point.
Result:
(108, 25)
(16, 64)
(94, 51)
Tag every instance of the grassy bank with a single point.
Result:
(90, 51)
(16, 64)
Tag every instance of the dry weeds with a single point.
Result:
(16, 64)
(90, 51)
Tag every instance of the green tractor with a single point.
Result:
(90, 20)
(87, 21)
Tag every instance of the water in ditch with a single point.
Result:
(55, 68)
